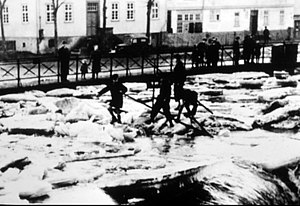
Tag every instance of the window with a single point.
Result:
(155, 10)
(5, 15)
(236, 19)
(68, 13)
(191, 17)
(186, 17)
(179, 23)
(51, 43)
(214, 15)
(115, 11)
(49, 13)
(25, 13)
(281, 21)
(130, 11)
(198, 17)
(266, 18)
(92, 7)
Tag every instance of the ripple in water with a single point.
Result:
(230, 182)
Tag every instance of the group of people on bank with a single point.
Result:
(64, 59)
(207, 51)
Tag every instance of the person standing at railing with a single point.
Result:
(257, 51)
(216, 46)
(247, 49)
(236, 51)
(96, 62)
(266, 33)
(209, 53)
(64, 59)
(195, 57)
(202, 49)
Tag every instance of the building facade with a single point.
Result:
(229, 16)
(297, 20)
(29, 24)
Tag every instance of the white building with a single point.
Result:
(297, 20)
(217, 16)
(26, 20)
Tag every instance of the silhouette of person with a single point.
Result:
(163, 100)
(117, 89)
(96, 62)
(247, 49)
(64, 59)
(202, 49)
(216, 46)
(209, 53)
(195, 58)
(236, 51)
(257, 51)
(179, 77)
(266, 34)
(190, 98)
(84, 68)
(252, 45)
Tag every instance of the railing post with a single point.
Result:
(157, 62)
(18, 73)
(171, 63)
(184, 61)
(77, 65)
(111, 66)
(143, 60)
(222, 54)
(58, 69)
(39, 71)
(263, 56)
(127, 66)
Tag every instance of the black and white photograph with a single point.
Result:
(149, 102)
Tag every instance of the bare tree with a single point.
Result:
(103, 40)
(56, 5)
(2, 5)
(149, 7)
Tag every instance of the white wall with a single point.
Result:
(15, 27)
(229, 7)
(123, 26)
(65, 29)
(226, 22)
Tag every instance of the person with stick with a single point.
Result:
(163, 101)
(190, 98)
(117, 89)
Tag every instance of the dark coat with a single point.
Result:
(179, 73)
(64, 58)
(117, 90)
(96, 61)
(163, 100)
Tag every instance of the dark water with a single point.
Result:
(228, 181)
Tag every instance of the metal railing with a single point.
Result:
(40, 70)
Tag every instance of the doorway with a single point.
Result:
(92, 18)
(297, 29)
(253, 21)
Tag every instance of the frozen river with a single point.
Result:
(75, 156)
